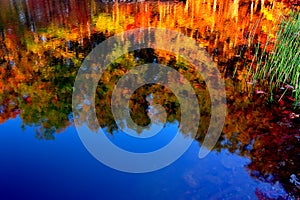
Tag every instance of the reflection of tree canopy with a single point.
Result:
(39, 61)
(266, 135)
(138, 103)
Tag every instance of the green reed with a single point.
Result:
(281, 67)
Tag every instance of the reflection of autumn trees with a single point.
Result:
(266, 135)
(43, 43)
(42, 95)
(214, 23)
(38, 56)
(251, 129)
(276, 153)
(138, 103)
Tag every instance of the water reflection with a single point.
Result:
(43, 44)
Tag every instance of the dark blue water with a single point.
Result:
(64, 169)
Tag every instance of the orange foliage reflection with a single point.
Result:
(43, 43)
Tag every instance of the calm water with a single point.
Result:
(43, 44)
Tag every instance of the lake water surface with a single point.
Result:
(42, 46)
